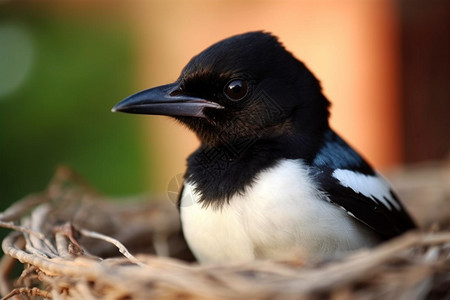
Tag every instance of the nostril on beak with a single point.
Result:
(176, 92)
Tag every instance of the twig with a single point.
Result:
(62, 245)
(63, 235)
(6, 265)
(49, 266)
(11, 225)
(17, 210)
(119, 245)
(33, 292)
(26, 274)
(39, 216)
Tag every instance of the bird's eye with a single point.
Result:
(236, 89)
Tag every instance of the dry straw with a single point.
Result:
(73, 244)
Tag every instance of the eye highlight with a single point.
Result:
(236, 89)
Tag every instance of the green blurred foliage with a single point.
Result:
(61, 112)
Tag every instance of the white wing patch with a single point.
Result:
(374, 187)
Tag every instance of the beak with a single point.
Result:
(167, 100)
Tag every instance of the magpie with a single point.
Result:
(270, 177)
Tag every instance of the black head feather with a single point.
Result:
(283, 96)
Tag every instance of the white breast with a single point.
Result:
(281, 214)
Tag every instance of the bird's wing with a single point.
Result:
(367, 198)
(351, 183)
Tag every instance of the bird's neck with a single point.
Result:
(221, 171)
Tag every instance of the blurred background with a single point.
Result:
(384, 65)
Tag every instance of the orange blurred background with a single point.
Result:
(356, 49)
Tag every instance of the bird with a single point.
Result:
(271, 178)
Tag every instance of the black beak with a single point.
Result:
(165, 100)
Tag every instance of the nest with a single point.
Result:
(74, 244)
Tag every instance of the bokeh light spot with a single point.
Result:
(16, 56)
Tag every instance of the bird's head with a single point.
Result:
(244, 87)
